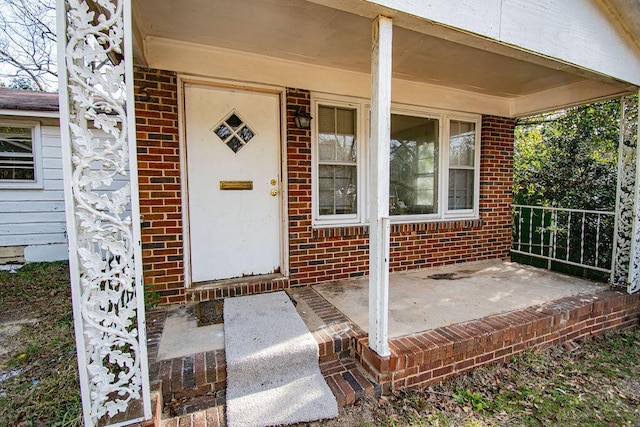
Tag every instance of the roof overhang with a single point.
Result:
(324, 45)
(31, 104)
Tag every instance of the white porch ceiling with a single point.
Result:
(306, 32)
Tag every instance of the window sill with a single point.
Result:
(21, 185)
(402, 228)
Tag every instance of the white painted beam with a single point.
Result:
(379, 176)
(576, 32)
(536, 32)
(567, 96)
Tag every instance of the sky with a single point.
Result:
(10, 27)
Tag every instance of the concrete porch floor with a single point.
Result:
(443, 322)
(427, 299)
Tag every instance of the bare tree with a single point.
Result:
(28, 44)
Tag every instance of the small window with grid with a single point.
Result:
(18, 155)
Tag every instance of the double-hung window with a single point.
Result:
(462, 165)
(434, 159)
(336, 167)
(19, 155)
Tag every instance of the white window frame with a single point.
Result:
(361, 136)
(427, 114)
(444, 117)
(474, 212)
(36, 143)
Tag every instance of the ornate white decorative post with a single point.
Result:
(379, 160)
(626, 255)
(101, 196)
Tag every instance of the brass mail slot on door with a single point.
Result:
(236, 185)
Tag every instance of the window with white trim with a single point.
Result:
(413, 165)
(462, 149)
(434, 163)
(337, 161)
(337, 167)
(19, 155)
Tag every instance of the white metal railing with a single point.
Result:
(582, 238)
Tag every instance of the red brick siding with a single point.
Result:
(340, 253)
(156, 105)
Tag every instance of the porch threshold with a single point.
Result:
(241, 286)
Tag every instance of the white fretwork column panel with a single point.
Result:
(379, 177)
(101, 196)
(626, 256)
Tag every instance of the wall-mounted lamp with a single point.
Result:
(302, 119)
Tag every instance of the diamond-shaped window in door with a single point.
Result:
(233, 131)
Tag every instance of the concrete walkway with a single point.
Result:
(427, 299)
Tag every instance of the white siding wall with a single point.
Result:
(34, 218)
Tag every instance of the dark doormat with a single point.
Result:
(209, 312)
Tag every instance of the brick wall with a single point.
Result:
(156, 108)
(342, 252)
(316, 255)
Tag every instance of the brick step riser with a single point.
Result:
(193, 383)
(193, 376)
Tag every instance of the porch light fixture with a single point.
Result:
(302, 119)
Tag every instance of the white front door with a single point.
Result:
(233, 171)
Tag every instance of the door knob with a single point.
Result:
(274, 192)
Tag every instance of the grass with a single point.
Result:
(595, 384)
(47, 390)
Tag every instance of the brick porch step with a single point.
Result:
(200, 374)
(347, 381)
(211, 417)
(336, 334)
(193, 387)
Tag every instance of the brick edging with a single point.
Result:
(436, 355)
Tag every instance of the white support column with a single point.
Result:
(624, 207)
(629, 130)
(97, 124)
(626, 255)
(379, 176)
